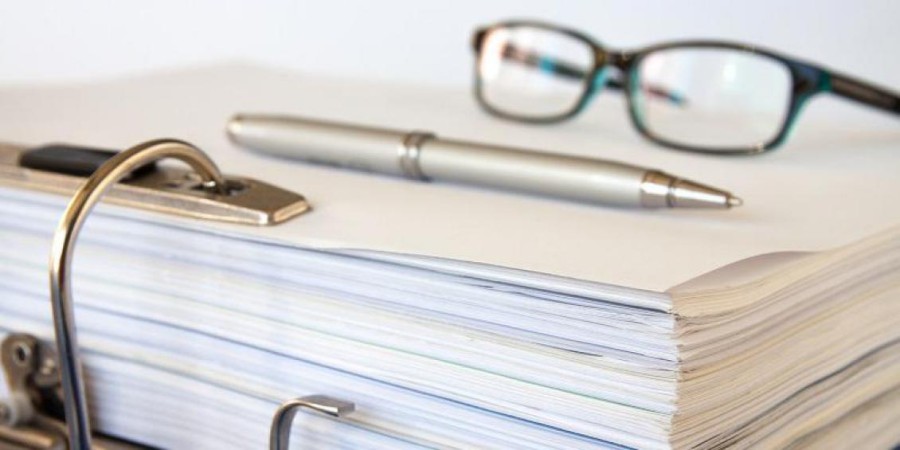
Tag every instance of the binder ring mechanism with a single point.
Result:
(32, 371)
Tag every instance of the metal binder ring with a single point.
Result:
(63, 246)
(280, 434)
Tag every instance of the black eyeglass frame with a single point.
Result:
(807, 80)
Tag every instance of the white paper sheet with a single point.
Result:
(835, 182)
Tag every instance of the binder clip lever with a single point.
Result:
(30, 417)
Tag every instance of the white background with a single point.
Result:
(422, 42)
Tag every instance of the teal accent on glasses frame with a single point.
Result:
(807, 81)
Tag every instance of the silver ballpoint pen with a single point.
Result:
(423, 156)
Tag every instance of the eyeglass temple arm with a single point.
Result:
(865, 93)
(568, 70)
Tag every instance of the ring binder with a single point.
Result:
(22, 355)
(30, 416)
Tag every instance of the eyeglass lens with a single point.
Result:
(533, 73)
(720, 98)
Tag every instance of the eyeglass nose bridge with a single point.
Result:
(619, 61)
(622, 60)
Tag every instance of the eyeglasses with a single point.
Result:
(702, 96)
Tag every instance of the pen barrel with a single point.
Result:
(551, 175)
(359, 148)
(423, 156)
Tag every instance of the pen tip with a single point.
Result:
(734, 201)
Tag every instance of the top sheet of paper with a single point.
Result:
(835, 182)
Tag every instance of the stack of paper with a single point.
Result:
(461, 318)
